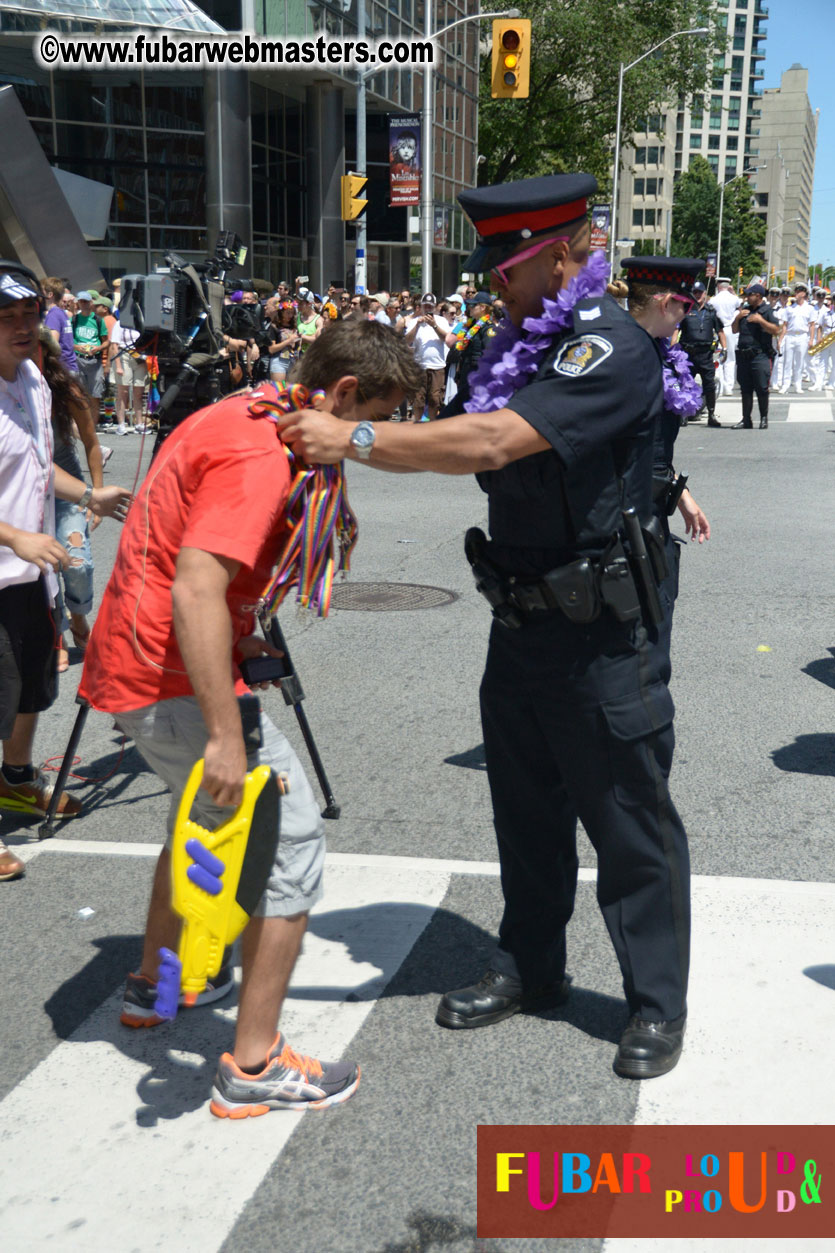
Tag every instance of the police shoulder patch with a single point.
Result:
(581, 355)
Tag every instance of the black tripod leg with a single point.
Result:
(291, 690)
(46, 830)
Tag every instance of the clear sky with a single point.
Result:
(804, 31)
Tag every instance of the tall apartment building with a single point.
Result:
(787, 140)
(719, 124)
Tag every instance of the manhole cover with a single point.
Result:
(378, 597)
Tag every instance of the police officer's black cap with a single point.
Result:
(756, 289)
(481, 298)
(510, 213)
(698, 287)
(675, 274)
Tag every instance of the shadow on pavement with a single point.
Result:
(809, 754)
(823, 669)
(824, 975)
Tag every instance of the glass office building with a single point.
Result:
(188, 153)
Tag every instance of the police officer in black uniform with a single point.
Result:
(699, 330)
(755, 352)
(662, 291)
(577, 719)
(474, 340)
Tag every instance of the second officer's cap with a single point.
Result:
(510, 213)
(675, 274)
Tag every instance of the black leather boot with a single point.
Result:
(763, 424)
(743, 426)
(649, 1049)
(496, 996)
(711, 421)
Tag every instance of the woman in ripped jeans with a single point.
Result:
(73, 524)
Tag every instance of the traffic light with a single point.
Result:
(352, 204)
(511, 59)
(791, 274)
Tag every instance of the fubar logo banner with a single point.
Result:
(650, 1182)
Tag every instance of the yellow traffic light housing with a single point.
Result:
(352, 203)
(790, 277)
(511, 59)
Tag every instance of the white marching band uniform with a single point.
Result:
(800, 319)
(824, 363)
(726, 302)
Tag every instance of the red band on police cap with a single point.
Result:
(537, 220)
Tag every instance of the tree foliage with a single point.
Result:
(568, 121)
(695, 228)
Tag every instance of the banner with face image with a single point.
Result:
(404, 159)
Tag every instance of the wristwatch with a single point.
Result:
(362, 439)
(86, 498)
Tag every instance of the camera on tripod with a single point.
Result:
(178, 313)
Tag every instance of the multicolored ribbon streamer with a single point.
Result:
(318, 514)
(152, 365)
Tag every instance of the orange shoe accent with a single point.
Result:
(245, 1111)
(135, 1020)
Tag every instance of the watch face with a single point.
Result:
(363, 435)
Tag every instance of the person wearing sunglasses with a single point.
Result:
(577, 719)
(660, 297)
(699, 330)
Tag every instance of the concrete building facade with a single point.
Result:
(787, 140)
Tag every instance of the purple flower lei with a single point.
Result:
(516, 354)
(682, 394)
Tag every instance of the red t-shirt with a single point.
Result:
(219, 483)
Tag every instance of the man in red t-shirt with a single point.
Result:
(177, 616)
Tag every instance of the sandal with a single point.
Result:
(80, 638)
(63, 660)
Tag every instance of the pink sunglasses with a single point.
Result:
(499, 272)
(687, 301)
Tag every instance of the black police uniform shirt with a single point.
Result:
(596, 398)
(698, 330)
(754, 338)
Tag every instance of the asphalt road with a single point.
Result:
(106, 1140)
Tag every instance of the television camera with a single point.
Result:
(178, 312)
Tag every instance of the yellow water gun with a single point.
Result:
(218, 878)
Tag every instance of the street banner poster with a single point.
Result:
(601, 218)
(710, 267)
(404, 159)
(441, 226)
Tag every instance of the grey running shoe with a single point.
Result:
(138, 1007)
(288, 1081)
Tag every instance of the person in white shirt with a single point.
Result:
(29, 552)
(131, 375)
(726, 303)
(814, 365)
(779, 300)
(800, 324)
(427, 332)
(824, 362)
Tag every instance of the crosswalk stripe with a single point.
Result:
(79, 1149)
(820, 411)
(761, 1023)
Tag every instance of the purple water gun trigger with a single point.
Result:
(168, 986)
(207, 869)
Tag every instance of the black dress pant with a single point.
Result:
(578, 723)
(704, 369)
(753, 372)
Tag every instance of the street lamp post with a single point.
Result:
(777, 226)
(427, 178)
(752, 169)
(699, 30)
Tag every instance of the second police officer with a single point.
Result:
(699, 331)
(577, 718)
(755, 352)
